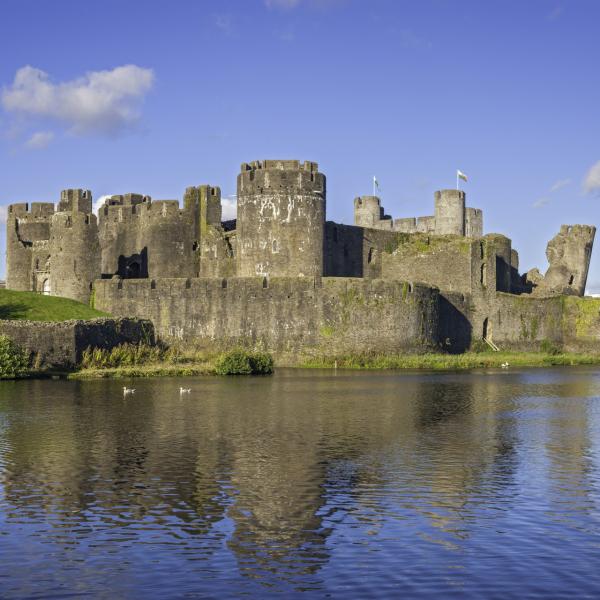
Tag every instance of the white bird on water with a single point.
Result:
(127, 390)
(185, 390)
(505, 365)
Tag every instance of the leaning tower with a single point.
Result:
(281, 219)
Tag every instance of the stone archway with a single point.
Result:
(46, 287)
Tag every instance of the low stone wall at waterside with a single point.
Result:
(60, 345)
(529, 323)
(287, 316)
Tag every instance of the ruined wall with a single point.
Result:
(61, 345)
(283, 315)
(451, 263)
(569, 254)
(27, 235)
(503, 250)
(352, 251)
(141, 238)
(281, 219)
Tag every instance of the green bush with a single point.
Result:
(262, 363)
(14, 361)
(242, 362)
(549, 347)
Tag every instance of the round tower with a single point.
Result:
(74, 255)
(280, 219)
(449, 212)
(367, 211)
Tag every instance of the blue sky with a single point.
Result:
(155, 96)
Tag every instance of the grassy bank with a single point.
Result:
(37, 307)
(128, 360)
(468, 360)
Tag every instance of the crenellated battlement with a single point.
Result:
(36, 210)
(281, 165)
(277, 256)
(281, 176)
(75, 200)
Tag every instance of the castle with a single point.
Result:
(282, 277)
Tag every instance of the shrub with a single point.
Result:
(262, 363)
(242, 362)
(14, 361)
(549, 347)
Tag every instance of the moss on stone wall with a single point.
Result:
(584, 313)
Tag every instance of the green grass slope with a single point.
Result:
(37, 307)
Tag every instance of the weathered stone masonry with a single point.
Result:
(284, 315)
(282, 277)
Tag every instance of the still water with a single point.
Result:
(308, 483)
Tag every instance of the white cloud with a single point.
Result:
(557, 185)
(3, 213)
(229, 208)
(561, 183)
(591, 183)
(541, 202)
(39, 140)
(98, 203)
(100, 101)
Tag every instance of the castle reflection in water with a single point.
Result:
(279, 474)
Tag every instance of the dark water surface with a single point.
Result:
(308, 483)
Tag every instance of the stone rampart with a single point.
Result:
(60, 345)
(288, 316)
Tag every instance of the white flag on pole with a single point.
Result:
(461, 175)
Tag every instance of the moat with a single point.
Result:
(307, 483)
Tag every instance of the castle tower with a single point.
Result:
(367, 211)
(75, 200)
(165, 235)
(204, 204)
(449, 212)
(119, 225)
(27, 253)
(281, 219)
(74, 247)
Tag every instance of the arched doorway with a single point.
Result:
(46, 287)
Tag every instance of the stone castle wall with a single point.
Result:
(142, 238)
(281, 277)
(452, 217)
(283, 315)
(60, 345)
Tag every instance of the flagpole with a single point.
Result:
(457, 179)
